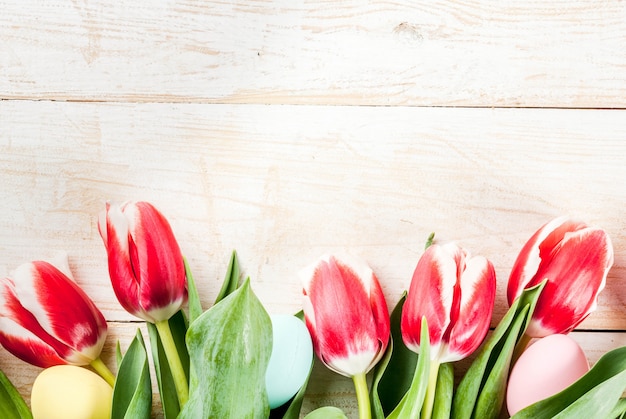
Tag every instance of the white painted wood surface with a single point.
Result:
(451, 53)
(285, 130)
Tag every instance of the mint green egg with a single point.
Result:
(290, 362)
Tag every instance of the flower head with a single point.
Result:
(145, 262)
(346, 314)
(456, 294)
(575, 259)
(46, 319)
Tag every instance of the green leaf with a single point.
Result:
(132, 393)
(411, 404)
(12, 405)
(491, 397)
(595, 395)
(430, 240)
(598, 402)
(300, 315)
(231, 280)
(376, 405)
(118, 354)
(619, 410)
(167, 388)
(393, 374)
(229, 347)
(492, 357)
(195, 306)
(327, 412)
(444, 391)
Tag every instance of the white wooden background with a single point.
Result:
(288, 129)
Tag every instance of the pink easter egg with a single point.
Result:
(546, 367)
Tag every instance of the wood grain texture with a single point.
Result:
(387, 121)
(284, 184)
(443, 53)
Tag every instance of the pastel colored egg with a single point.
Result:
(290, 362)
(546, 367)
(70, 392)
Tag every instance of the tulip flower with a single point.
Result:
(145, 262)
(575, 259)
(347, 316)
(455, 293)
(147, 271)
(46, 319)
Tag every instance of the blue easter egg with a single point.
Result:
(290, 362)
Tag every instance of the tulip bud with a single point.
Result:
(46, 319)
(145, 262)
(575, 259)
(346, 314)
(70, 392)
(456, 294)
(347, 317)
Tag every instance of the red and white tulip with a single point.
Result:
(145, 262)
(575, 259)
(346, 314)
(456, 294)
(46, 319)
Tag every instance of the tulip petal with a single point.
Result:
(47, 293)
(115, 234)
(478, 293)
(161, 277)
(21, 334)
(103, 218)
(26, 346)
(576, 274)
(380, 314)
(431, 295)
(61, 262)
(535, 252)
(344, 309)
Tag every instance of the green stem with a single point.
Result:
(429, 240)
(103, 371)
(520, 347)
(176, 367)
(429, 401)
(362, 396)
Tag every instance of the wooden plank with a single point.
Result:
(284, 184)
(325, 389)
(443, 53)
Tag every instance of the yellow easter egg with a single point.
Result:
(70, 392)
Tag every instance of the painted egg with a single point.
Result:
(546, 367)
(70, 392)
(290, 361)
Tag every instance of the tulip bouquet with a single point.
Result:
(445, 317)
(211, 363)
(236, 360)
